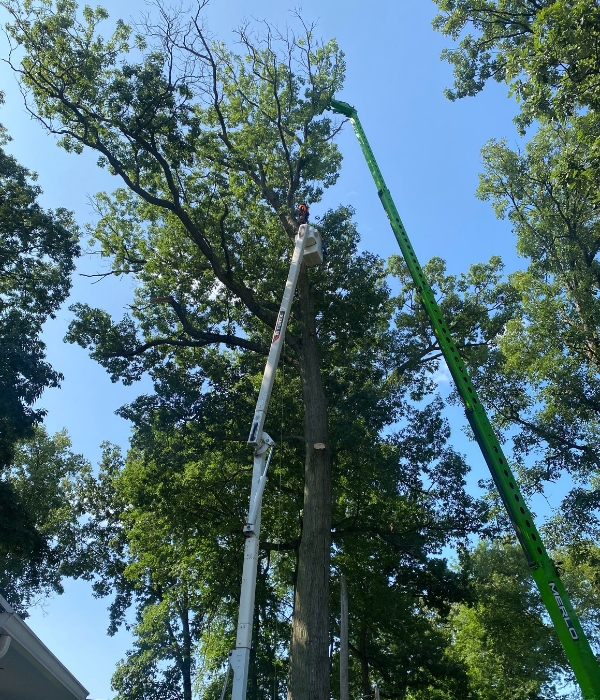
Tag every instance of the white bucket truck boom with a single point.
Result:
(307, 248)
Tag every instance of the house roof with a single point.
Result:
(29, 670)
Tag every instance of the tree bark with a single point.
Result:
(309, 657)
(344, 676)
(364, 664)
(186, 660)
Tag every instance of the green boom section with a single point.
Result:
(544, 572)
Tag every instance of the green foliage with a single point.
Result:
(542, 50)
(36, 260)
(501, 637)
(165, 523)
(214, 150)
(479, 304)
(40, 517)
(544, 381)
(578, 566)
(37, 249)
(228, 145)
(541, 378)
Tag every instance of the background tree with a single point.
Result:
(217, 150)
(36, 262)
(542, 379)
(37, 249)
(549, 353)
(153, 538)
(541, 49)
(42, 520)
(501, 636)
(578, 565)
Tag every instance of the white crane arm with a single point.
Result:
(308, 248)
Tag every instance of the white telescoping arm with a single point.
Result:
(264, 396)
(239, 659)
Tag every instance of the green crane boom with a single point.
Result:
(544, 572)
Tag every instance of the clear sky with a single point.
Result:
(428, 150)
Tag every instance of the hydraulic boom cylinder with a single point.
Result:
(552, 591)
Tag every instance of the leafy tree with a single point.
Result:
(548, 362)
(42, 518)
(543, 378)
(543, 49)
(161, 552)
(36, 262)
(578, 565)
(214, 150)
(501, 637)
(167, 520)
(479, 303)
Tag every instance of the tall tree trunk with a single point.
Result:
(186, 652)
(309, 658)
(344, 676)
(367, 691)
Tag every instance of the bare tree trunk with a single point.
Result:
(364, 664)
(186, 654)
(309, 658)
(344, 678)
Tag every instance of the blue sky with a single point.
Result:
(428, 150)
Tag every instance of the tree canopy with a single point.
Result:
(36, 261)
(550, 346)
(213, 150)
(37, 252)
(543, 50)
(40, 518)
(500, 634)
(543, 379)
